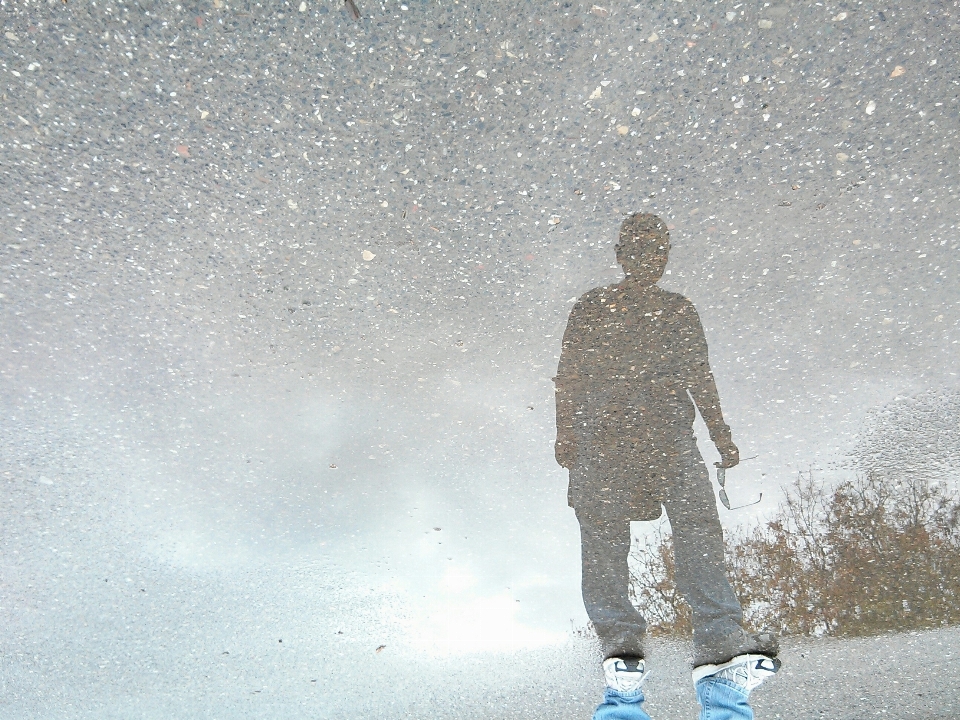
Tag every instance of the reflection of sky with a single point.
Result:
(191, 338)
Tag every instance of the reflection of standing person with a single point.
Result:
(633, 365)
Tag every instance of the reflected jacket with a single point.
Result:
(633, 363)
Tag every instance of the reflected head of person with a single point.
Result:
(633, 372)
(643, 249)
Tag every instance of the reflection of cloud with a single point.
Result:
(909, 437)
(457, 581)
(462, 622)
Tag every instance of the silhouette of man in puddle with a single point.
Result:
(633, 365)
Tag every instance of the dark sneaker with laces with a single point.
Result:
(745, 671)
(625, 675)
(739, 643)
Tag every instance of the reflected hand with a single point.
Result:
(729, 454)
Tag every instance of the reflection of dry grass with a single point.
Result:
(654, 588)
(872, 556)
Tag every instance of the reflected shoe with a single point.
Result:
(734, 645)
(746, 671)
(625, 675)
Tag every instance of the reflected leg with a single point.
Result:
(605, 583)
(698, 551)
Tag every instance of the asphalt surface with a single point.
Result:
(281, 295)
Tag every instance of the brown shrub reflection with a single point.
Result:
(873, 555)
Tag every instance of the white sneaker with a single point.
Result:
(747, 671)
(625, 675)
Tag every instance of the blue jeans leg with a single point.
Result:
(722, 700)
(621, 706)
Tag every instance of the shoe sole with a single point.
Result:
(707, 670)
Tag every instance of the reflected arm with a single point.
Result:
(569, 386)
(703, 389)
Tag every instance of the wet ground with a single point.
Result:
(282, 294)
(188, 659)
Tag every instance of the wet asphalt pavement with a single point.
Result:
(282, 293)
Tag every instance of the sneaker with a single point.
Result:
(625, 675)
(747, 671)
(719, 651)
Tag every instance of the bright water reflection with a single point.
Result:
(282, 299)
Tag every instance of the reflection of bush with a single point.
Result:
(873, 555)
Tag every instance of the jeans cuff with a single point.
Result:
(631, 697)
(713, 679)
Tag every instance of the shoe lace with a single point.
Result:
(745, 676)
